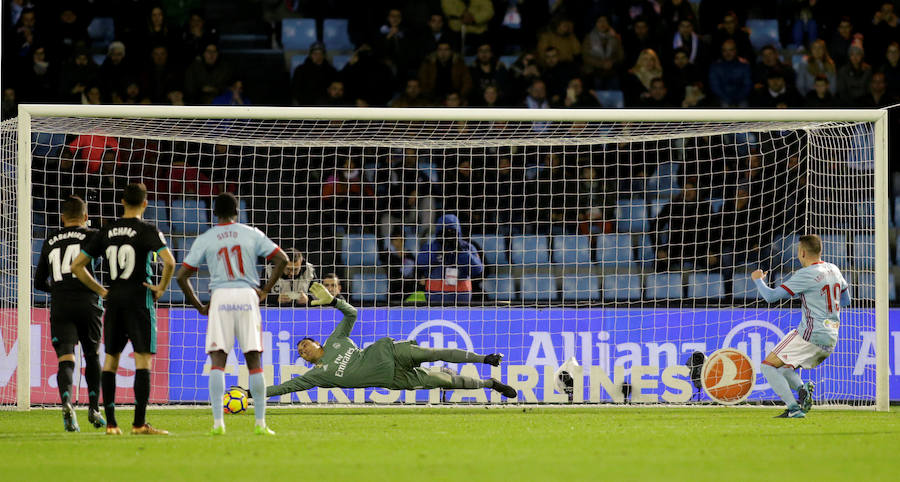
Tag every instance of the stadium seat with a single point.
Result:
(202, 288)
(656, 206)
(335, 35)
(45, 144)
(158, 214)
(610, 99)
(631, 215)
(339, 61)
(864, 251)
(646, 254)
(834, 250)
(621, 287)
(797, 61)
(370, 287)
(189, 217)
(865, 214)
(184, 247)
(897, 211)
(173, 295)
(783, 255)
(664, 286)
(469, 60)
(102, 31)
(298, 33)
(36, 245)
(499, 288)
(244, 212)
(529, 250)
(296, 61)
(581, 287)
(572, 250)
(743, 288)
(664, 182)
(716, 205)
(359, 250)
(493, 248)
(538, 287)
(614, 250)
(98, 58)
(864, 288)
(39, 228)
(705, 285)
(763, 32)
(508, 60)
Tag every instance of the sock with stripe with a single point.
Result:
(92, 377)
(258, 390)
(108, 381)
(64, 380)
(216, 394)
(779, 385)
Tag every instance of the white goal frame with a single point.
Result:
(23, 177)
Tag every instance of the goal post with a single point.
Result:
(571, 132)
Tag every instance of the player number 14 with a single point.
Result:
(226, 260)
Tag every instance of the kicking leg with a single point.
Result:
(258, 389)
(217, 389)
(770, 368)
(64, 383)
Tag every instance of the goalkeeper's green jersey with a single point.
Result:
(344, 365)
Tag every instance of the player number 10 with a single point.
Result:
(833, 302)
(236, 251)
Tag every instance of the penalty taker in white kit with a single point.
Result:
(386, 363)
(822, 291)
(230, 250)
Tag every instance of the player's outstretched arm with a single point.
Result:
(184, 281)
(768, 294)
(323, 297)
(79, 269)
(168, 269)
(296, 384)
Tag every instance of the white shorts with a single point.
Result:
(234, 312)
(794, 351)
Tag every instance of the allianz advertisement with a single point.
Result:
(644, 348)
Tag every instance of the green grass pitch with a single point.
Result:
(455, 443)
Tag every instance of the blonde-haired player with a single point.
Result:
(822, 291)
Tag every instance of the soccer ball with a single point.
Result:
(234, 401)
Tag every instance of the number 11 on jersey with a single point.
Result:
(226, 259)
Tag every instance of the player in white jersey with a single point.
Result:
(230, 250)
(822, 291)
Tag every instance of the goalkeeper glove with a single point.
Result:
(323, 297)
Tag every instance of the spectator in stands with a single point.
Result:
(434, 33)
(486, 71)
(90, 148)
(401, 267)
(347, 200)
(335, 97)
(453, 99)
(475, 15)
(602, 55)
(840, 43)
(769, 60)
(804, 27)
(659, 95)
(207, 77)
(188, 179)
(233, 94)
(777, 93)
(730, 29)
(885, 29)
(37, 81)
(291, 289)
(27, 35)
(444, 71)
(638, 39)
(695, 96)
(562, 36)
(464, 194)
(158, 33)
(448, 264)
(411, 96)
(686, 38)
(196, 38)
(891, 68)
(556, 75)
(9, 104)
(92, 95)
(817, 63)
(116, 71)
(368, 79)
(489, 98)
(77, 74)
(394, 44)
(537, 95)
(312, 77)
(554, 191)
(175, 96)
(159, 75)
(69, 32)
(854, 77)
(821, 96)
(131, 95)
(680, 74)
(729, 77)
(878, 95)
(741, 232)
(672, 13)
(524, 72)
(577, 98)
(637, 82)
(680, 232)
(594, 202)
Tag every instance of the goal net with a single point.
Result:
(625, 243)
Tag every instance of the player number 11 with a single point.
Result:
(236, 251)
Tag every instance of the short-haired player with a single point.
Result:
(822, 290)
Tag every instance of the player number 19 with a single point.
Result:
(833, 302)
(121, 261)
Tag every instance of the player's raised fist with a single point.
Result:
(758, 274)
(323, 297)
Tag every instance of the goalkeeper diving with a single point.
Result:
(386, 363)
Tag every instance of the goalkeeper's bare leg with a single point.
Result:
(452, 355)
